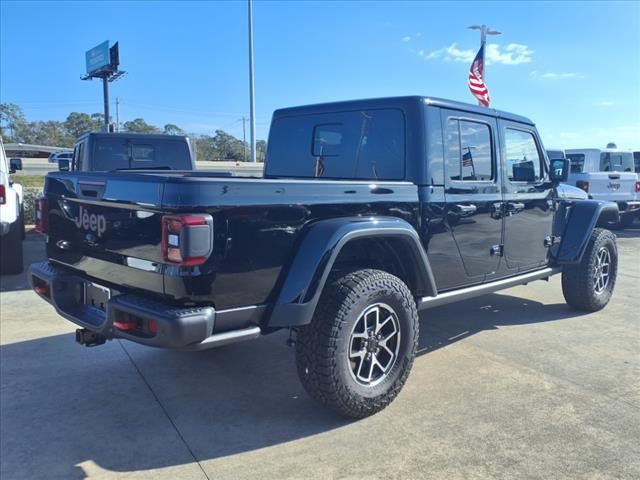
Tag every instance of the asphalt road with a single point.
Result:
(41, 166)
(506, 386)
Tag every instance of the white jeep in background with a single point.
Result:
(11, 216)
(607, 174)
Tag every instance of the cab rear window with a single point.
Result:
(360, 145)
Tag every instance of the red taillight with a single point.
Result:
(637, 187)
(152, 326)
(3, 195)
(187, 240)
(42, 215)
(583, 184)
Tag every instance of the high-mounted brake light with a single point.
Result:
(583, 184)
(187, 240)
(3, 195)
(42, 215)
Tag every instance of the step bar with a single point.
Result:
(478, 290)
(224, 338)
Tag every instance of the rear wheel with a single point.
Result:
(357, 352)
(11, 249)
(589, 284)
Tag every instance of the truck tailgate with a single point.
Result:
(612, 186)
(116, 241)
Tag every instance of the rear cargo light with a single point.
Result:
(3, 195)
(583, 184)
(187, 240)
(42, 215)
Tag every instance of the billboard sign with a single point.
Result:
(98, 57)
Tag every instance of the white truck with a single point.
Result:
(11, 216)
(607, 174)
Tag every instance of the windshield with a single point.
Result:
(120, 153)
(616, 162)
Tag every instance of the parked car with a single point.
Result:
(554, 153)
(100, 152)
(369, 211)
(607, 174)
(11, 215)
(62, 154)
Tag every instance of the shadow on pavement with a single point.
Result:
(64, 405)
(632, 231)
(33, 249)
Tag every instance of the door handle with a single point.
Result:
(465, 209)
(515, 206)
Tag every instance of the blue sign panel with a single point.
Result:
(98, 57)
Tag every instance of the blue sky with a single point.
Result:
(573, 67)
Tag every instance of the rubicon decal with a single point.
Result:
(93, 222)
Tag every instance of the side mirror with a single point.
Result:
(63, 164)
(15, 164)
(559, 170)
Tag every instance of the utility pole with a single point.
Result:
(252, 103)
(117, 114)
(484, 31)
(244, 140)
(105, 92)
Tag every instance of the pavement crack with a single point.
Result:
(162, 407)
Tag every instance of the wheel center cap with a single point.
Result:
(372, 344)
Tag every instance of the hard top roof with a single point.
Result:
(390, 102)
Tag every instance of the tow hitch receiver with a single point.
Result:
(88, 338)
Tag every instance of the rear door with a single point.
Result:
(107, 227)
(472, 191)
(529, 206)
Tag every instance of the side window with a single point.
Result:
(523, 158)
(78, 151)
(577, 162)
(468, 151)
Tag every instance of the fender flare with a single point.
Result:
(317, 251)
(583, 217)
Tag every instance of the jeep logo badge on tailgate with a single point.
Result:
(93, 222)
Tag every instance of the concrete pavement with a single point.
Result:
(509, 385)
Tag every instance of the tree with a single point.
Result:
(78, 124)
(171, 129)
(261, 150)
(11, 118)
(138, 125)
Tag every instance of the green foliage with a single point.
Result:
(15, 128)
(138, 125)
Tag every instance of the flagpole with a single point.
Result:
(484, 31)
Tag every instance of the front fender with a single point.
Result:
(317, 252)
(582, 217)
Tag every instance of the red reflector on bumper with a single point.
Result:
(125, 325)
(42, 289)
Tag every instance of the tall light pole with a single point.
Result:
(252, 102)
(484, 31)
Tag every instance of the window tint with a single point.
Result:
(468, 151)
(365, 144)
(119, 152)
(616, 161)
(577, 162)
(143, 153)
(523, 159)
(636, 161)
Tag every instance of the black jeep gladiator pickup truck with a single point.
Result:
(368, 212)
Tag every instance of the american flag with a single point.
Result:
(476, 83)
(467, 159)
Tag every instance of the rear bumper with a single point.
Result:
(181, 328)
(629, 207)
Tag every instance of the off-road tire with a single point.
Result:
(322, 347)
(11, 249)
(578, 281)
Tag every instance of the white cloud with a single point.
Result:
(512, 54)
(406, 39)
(418, 35)
(421, 53)
(605, 103)
(554, 75)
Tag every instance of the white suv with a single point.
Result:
(11, 216)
